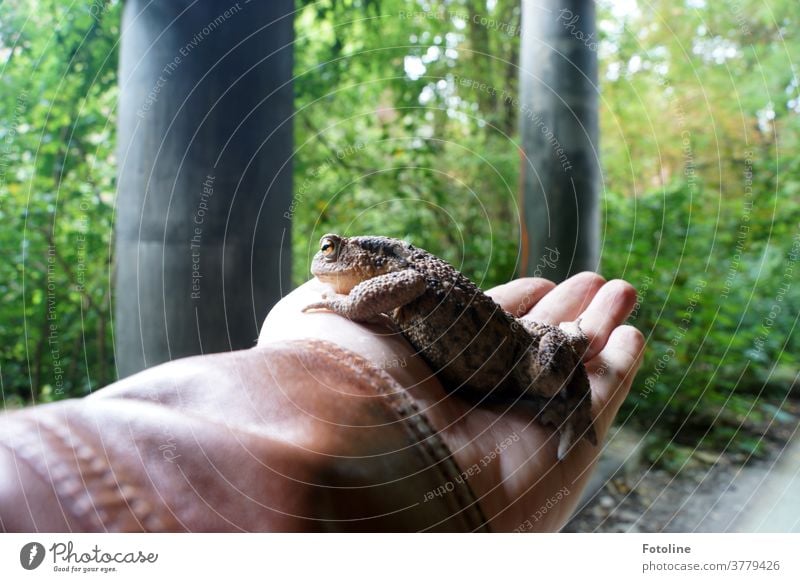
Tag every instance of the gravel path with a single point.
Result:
(710, 494)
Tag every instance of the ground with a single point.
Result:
(712, 493)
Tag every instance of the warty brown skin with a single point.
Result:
(475, 347)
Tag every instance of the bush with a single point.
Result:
(717, 304)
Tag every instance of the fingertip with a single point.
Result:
(520, 295)
(569, 299)
(587, 279)
(616, 366)
(523, 284)
(610, 307)
(628, 341)
(587, 284)
(626, 291)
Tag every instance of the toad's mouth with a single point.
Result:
(342, 283)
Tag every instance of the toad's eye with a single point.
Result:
(327, 247)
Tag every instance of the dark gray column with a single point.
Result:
(559, 130)
(205, 139)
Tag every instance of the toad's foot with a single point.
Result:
(555, 374)
(555, 352)
(578, 340)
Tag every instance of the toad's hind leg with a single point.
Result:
(554, 353)
(558, 376)
(570, 412)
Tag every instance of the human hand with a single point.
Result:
(523, 487)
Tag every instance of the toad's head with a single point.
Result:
(345, 262)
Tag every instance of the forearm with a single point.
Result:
(298, 437)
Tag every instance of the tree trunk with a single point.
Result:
(559, 130)
(205, 145)
(481, 57)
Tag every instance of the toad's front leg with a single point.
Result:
(381, 294)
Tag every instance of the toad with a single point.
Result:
(477, 349)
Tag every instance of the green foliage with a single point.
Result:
(56, 195)
(717, 302)
(389, 143)
(700, 124)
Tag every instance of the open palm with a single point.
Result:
(514, 471)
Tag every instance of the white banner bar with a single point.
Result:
(399, 557)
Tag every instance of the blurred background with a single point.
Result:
(406, 123)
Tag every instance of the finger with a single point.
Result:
(568, 299)
(609, 309)
(518, 296)
(613, 372)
